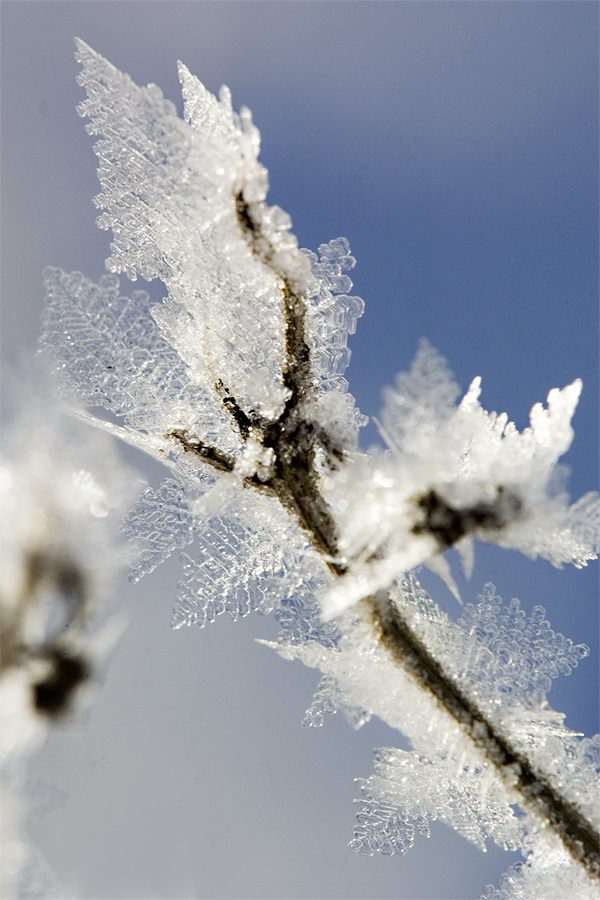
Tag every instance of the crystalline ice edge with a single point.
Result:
(329, 699)
(408, 791)
(332, 316)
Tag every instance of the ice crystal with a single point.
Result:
(329, 699)
(505, 657)
(300, 620)
(108, 349)
(454, 473)
(332, 316)
(250, 557)
(160, 522)
(548, 873)
(408, 791)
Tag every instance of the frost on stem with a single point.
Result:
(470, 696)
(235, 381)
(451, 474)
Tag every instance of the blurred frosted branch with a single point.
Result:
(63, 490)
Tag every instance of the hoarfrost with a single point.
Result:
(504, 662)
(250, 557)
(504, 657)
(451, 474)
(329, 699)
(235, 381)
(109, 351)
(160, 522)
(548, 873)
(185, 201)
(408, 791)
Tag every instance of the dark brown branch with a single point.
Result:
(292, 436)
(243, 215)
(536, 794)
(297, 438)
(449, 524)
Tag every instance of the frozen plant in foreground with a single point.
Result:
(62, 490)
(235, 381)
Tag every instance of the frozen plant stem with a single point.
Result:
(291, 437)
(294, 441)
(534, 794)
(235, 381)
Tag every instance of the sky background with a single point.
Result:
(455, 145)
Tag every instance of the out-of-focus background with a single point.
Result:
(455, 146)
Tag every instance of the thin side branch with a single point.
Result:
(209, 454)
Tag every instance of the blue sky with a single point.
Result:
(455, 145)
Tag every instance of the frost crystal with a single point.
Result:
(329, 699)
(160, 522)
(250, 557)
(408, 791)
(453, 473)
(332, 316)
(505, 657)
(185, 201)
(504, 662)
(548, 874)
(110, 351)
